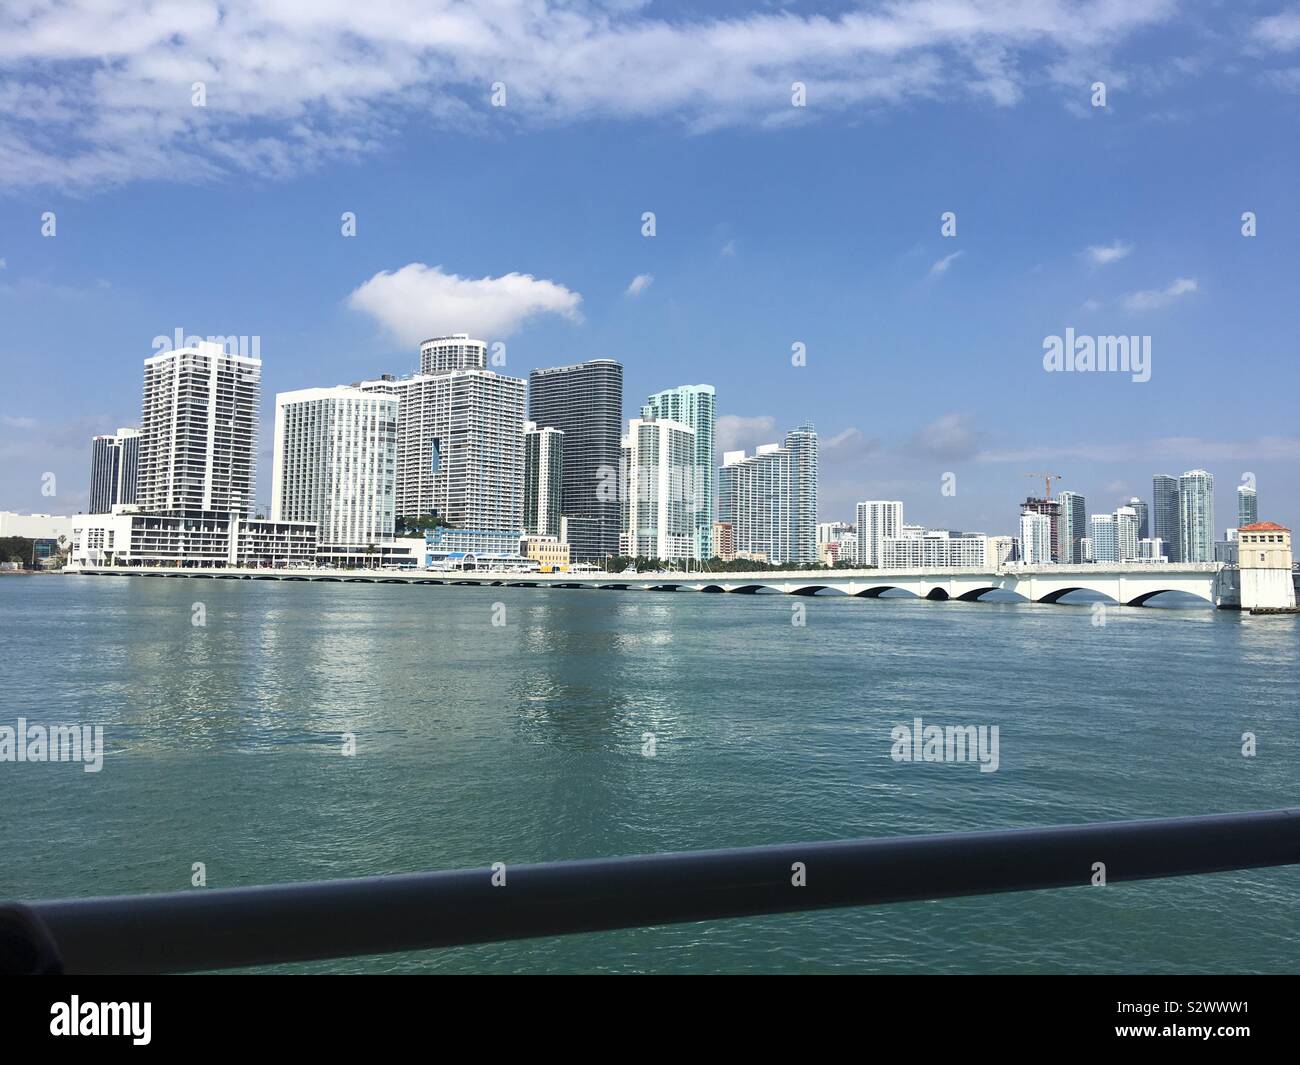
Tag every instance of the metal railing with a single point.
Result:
(205, 929)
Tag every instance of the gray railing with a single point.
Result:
(223, 928)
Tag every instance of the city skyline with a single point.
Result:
(821, 226)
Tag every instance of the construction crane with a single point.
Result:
(1048, 478)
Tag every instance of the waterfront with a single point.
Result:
(523, 742)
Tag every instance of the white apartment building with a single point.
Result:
(1114, 536)
(659, 498)
(1035, 539)
(335, 464)
(198, 431)
(878, 520)
(455, 352)
(935, 547)
(460, 446)
(543, 480)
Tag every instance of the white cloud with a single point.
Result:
(728, 249)
(734, 432)
(3, 265)
(1280, 31)
(94, 92)
(941, 267)
(418, 301)
(639, 284)
(950, 436)
(18, 422)
(1105, 254)
(1178, 449)
(1155, 299)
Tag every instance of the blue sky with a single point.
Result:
(774, 224)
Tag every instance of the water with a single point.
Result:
(523, 743)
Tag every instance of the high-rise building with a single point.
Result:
(1115, 536)
(770, 499)
(724, 544)
(455, 352)
(1196, 516)
(695, 406)
(1139, 507)
(543, 480)
(878, 520)
(114, 467)
(1050, 509)
(1247, 506)
(754, 499)
(1035, 538)
(1072, 527)
(659, 497)
(335, 464)
(1105, 542)
(460, 446)
(1165, 515)
(801, 442)
(198, 431)
(585, 402)
(1127, 527)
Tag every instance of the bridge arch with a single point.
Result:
(1146, 597)
(973, 596)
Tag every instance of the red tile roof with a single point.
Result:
(1264, 526)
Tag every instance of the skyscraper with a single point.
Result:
(695, 406)
(1035, 538)
(114, 467)
(543, 480)
(754, 499)
(1140, 508)
(460, 446)
(1165, 515)
(1072, 527)
(1196, 516)
(455, 352)
(801, 442)
(877, 519)
(335, 464)
(198, 430)
(770, 498)
(1051, 510)
(1247, 506)
(658, 461)
(1127, 526)
(585, 402)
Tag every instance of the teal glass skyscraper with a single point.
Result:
(695, 406)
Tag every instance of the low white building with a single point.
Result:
(34, 526)
(202, 539)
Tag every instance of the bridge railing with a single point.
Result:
(205, 929)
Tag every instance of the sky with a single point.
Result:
(1095, 159)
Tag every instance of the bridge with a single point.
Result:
(1127, 583)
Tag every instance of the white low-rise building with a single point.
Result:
(204, 539)
(34, 526)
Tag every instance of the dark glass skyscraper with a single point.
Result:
(114, 462)
(585, 402)
(1164, 515)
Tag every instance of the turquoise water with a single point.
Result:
(523, 742)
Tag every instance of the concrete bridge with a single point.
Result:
(1130, 583)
